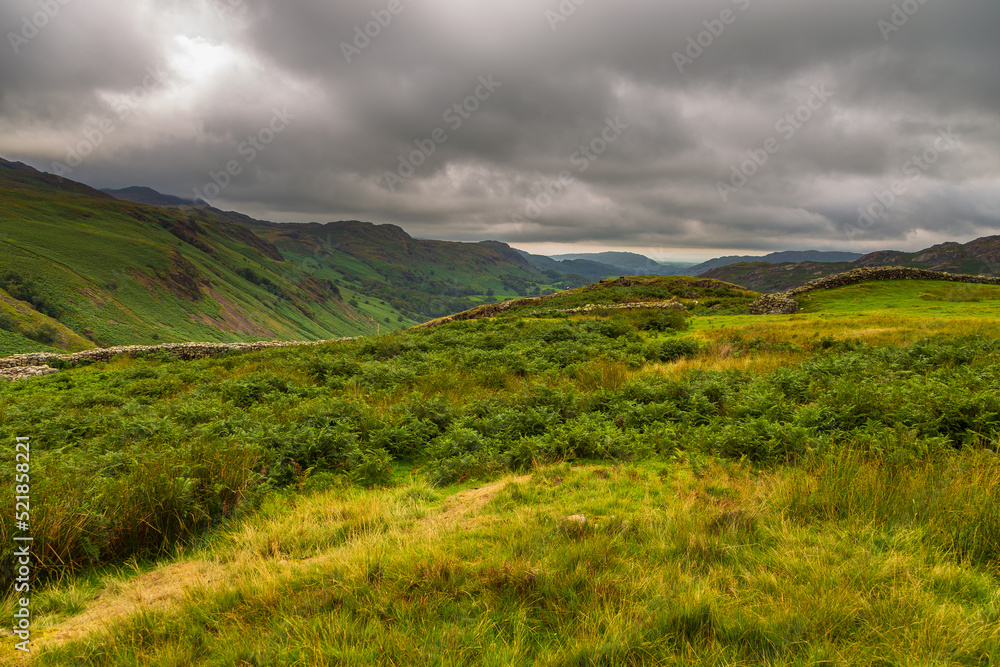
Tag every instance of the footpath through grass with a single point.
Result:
(689, 560)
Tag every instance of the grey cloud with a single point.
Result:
(656, 185)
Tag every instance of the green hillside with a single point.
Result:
(118, 271)
(121, 273)
(24, 329)
(422, 278)
(633, 486)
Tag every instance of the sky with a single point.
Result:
(681, 129)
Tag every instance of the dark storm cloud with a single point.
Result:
(697, 90)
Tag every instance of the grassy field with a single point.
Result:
(631, 488)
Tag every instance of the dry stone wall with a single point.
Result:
(774, 304)
(35, 364)
(638, 305)
(861, 275)
(782, 303)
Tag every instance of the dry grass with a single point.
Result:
(266, 551)
(694, 562)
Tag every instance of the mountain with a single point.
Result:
(143, 195)
(792, 256)
(107, 272)
(579, 267)
(978, 257)
(767, 277)
(415, 279)
(135, 266)
(630, 263)
(975, 257)
(420, 278)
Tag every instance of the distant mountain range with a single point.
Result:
(630, 263)
(594, 266)
(580, 267)
(794, 256)
(981, 256)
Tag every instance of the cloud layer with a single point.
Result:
(732, 124)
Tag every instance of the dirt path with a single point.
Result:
(168, 586)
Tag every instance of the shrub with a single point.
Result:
(670, 349)
(370, 467)
(44, 333)
(664, 320)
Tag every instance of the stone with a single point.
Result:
(774, 304)
(34, 364)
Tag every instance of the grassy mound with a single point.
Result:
(697, 295)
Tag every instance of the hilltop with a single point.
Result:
(144, 195)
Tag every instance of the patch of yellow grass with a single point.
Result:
(265, 551)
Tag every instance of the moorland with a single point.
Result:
(560, 482)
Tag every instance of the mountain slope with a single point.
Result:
(767, 277)
(420, 278)
(386, 276)
(122, 273)
(24, 329)
(975, 257)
